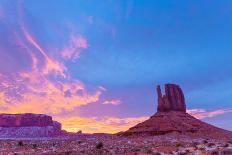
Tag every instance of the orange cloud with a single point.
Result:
(39, 93)
(72, 50)
(113, 102)
(96, 124)
(202, 113)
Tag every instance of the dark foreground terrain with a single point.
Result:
(108, 144)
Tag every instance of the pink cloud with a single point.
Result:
(72, 50)
(51, 65)
(113, 102)
(202, 113)
(34, 91)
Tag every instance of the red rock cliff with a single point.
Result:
(25, 120)
(172, 100)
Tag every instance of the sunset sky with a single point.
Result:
(94, 65)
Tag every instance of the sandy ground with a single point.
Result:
(97, 145)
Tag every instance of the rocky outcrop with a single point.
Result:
(28, 125)
(172, 100)
(24, 120)
(171, 118)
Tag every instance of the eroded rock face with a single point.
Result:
(25, 120)
(172, 100)
(28, 125)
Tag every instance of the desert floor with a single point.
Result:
(95, 145)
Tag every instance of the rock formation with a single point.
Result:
(173, 100)
(23, 120)
(28, 125)
(171, 118)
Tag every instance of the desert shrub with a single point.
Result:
(211, 144)
(149, 151)
(230, 141)
(179, 145)
(215, 152)
(182, 153)
(204, 141)
(68, 152)
(99, 145)
(226, 145)
(79, 142)
(227, 152)
(34, 146)
(202, 148)
(194, 144)
(20, 143)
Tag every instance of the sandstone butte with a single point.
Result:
(171, 118)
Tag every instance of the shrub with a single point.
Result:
(211, 144)
(149, 151)
(215, 152)
(194, 144)
(226, 145)
(20, 143)
(79, 142)
(230, 142)
(229, 152)
(182, 153)
(205, 141)
(99, 145)
(68, 152)
(179, 145)
(34, 146)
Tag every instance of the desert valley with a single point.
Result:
(169, 131)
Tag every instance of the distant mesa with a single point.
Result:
(28, 125)
(171, 118)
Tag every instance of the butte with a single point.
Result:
(171, 118)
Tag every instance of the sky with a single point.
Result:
(94, 65)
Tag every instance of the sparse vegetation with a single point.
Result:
(226, 145)
(149, 151)
(34, 146)
(20, 143)
(179, 145)
(205, 141)
(182, 153)
(211, 144)
(215, 152)
(230, 142)
(194, 145)
(227, 152)
(99, 145)
(79, 142)
(68, 152)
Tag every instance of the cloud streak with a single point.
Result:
(202, 113)
(113, 102)
(47, 87)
